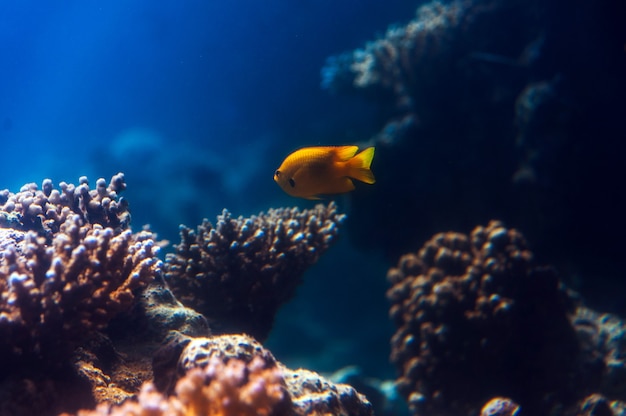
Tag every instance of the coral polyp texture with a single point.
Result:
(308, 392)
(67, 276)
(238, 272)
(88, 321)
(500, 406)
(477, 319)
(45, 210)
(231, 388)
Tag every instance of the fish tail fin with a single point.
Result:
(359, 166)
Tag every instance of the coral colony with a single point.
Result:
(90, 317)
(94, 321)
(248, 267)
(86, 304)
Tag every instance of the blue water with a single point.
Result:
(199, 101)
(217, 78)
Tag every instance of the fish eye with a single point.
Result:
(292, 182)
(277, 173)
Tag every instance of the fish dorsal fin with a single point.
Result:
(345, 153)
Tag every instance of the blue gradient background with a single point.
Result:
(198, 102)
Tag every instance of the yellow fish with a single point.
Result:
(313, 171)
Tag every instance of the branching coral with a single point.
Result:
(239, 272)
(471, 313)
(68, 265)
(52, 294)
(45, 210)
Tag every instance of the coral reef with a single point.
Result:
(602, 339)
(313, 395)
(399, 67)
(238, 272)
(441, 66)
(55, 289)
(234, 388)
(541, 129)
(598, 405)
(463, 112)
(45, 210)
(397, 64)
(309, 393)
(69, 268)
(475, 306)
(87, 318)
(500, 406)
(381, 394)
(164, 313)
(199, 351)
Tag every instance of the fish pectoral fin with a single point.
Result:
(360, 166)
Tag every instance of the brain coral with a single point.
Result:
(476, 319)
(239, 272)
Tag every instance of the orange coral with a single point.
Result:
(234, 388)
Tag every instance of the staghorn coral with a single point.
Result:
(475, 320)
(68, 265)
(233, 388)
(45, 210)
(239, 272)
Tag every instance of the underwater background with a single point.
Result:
(505, 110)
(197, 103)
